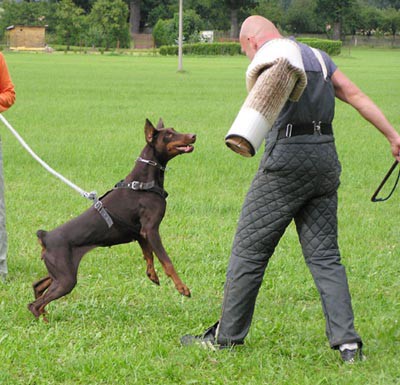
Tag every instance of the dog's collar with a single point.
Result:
(151, 163)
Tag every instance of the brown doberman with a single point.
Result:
(131, 211)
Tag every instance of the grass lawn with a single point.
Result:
(84, 115)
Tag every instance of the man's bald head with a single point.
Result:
(255, 31)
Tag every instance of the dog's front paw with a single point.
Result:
(184, 290)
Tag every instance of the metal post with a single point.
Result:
(180, 36)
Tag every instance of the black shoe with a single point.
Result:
(350, 356)
(206, 340)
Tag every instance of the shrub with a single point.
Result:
(163, 32)
(192, 25)
(203, 49)
(331, 47)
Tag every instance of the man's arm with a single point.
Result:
(7, 92)
(348, 92)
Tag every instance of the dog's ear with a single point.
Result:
(160, 124)
(149, 131)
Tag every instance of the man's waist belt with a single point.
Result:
(314, 128)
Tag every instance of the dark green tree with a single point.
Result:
(334, 12)
(86, 5)
(233, 8)
(27, 13)
(153, 10)
(108, 23)
(146, 13)
(272, 10)
(165, 32)
(134, 16)
(382, 4)
(391, 21)
(70, 23)
(371, 19)
(213, 13)
(301, 17)
(192, 25)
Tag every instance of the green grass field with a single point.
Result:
(84, 115)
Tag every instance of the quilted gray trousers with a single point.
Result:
(296, 181)
(3, 234)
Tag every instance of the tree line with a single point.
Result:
(111, 23)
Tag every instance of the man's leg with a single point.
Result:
(3, 234)
(317, 228)
(265, 215)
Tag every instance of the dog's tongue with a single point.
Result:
(186, 149)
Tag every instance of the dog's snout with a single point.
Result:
(192, 137)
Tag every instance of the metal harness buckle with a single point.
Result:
(289, 129)
(151, 163)
(98, 205)
(317, 127)
(135, 185)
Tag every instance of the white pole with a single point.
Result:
(180, 36)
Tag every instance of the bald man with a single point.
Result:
(297, 179)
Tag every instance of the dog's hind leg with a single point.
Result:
(57, 289)
(62, 267)
(41, 286)
(148, 256)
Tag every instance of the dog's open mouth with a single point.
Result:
(185, 149)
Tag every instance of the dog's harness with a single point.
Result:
(98, 205)
(142, 186)
(135, 186)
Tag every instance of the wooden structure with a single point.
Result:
(143, 41)
(21, 37)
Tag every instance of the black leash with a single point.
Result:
(374, 197)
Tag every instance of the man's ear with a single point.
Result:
(149, 131)
(253, 43)
(160, 124)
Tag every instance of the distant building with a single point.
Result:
(207, 36)
(22, 37)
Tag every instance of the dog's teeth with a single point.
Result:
(187, 148)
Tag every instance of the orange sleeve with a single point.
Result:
(7, 92)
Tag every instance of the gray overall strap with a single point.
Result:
(321, 62)
(98, 205)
